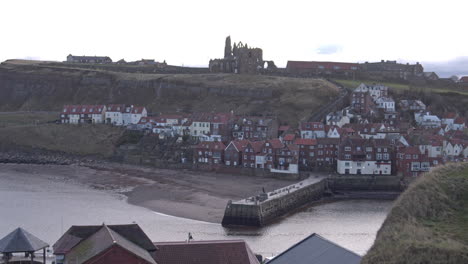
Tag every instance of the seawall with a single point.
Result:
(264, 208)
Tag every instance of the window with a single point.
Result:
(408, 156)
(347, 156)
(358, 164)
(358, 148)
(346, 164)
(311, 147)
(320, 152)
(311, 154)
(245, 156)
(379, 156)
(385, 150)
(347, 148)
(415, 156)
(386, 156)
(320, 146)
(252, 157)
(369, 149)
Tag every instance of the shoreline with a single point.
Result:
(200, 196)
(196, 196)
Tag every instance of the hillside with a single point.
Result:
(26, 85)
(428, 223)
(96, 140)
(441, 99)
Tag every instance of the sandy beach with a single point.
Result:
(189, 194)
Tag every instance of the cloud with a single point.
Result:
(329, 49)
(457, 66)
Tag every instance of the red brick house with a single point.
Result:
(255, 128)
(209, 152)
(286, 156)
(410, 161)
(365, 156)
(289, 139)
(250, 153)
(233, 152)
(362, 103)
(269, 150)
(327, 151)
(113, 244)
(307, 152)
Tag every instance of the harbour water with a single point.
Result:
(48, 207)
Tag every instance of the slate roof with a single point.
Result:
(76, 234)
(206, 252)
(21, 240)
(102, 240)
(316, 250)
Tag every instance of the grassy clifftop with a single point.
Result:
(428, 223)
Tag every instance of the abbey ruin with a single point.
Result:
(239, 58)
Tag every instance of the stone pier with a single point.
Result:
(264, 208)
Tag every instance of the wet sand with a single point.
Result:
(189, 194)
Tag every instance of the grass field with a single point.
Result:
(8, 119)
(428, 223)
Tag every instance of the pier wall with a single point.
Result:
(261, 213)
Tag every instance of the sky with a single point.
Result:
(191, 32)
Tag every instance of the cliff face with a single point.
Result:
(428, 223)
(42, 86)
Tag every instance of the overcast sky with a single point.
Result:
(193, 31)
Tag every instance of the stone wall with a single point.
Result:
(263, 213)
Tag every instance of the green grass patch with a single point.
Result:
(428, 223)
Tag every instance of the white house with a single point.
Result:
(76, 114)
(120, 114)
(337, 119)
(386, 103)
(114, 114)
(427, 120)
(333, 132)
(375, 91)
(452, 149)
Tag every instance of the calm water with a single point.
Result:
(47, 208)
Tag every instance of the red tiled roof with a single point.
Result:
(206, 252)
(257, 145)
(459, 121)
(464, 79)
(321, 65)
(116, 108)
(289, 137)
(276, 143)
(240, 144)
(410, 150)
(138, 110)
(284, 128)
(450, 115)
(83, 109)
(305, 141)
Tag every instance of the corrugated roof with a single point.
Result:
(21, 240)
(205, 252)
(316, 250)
